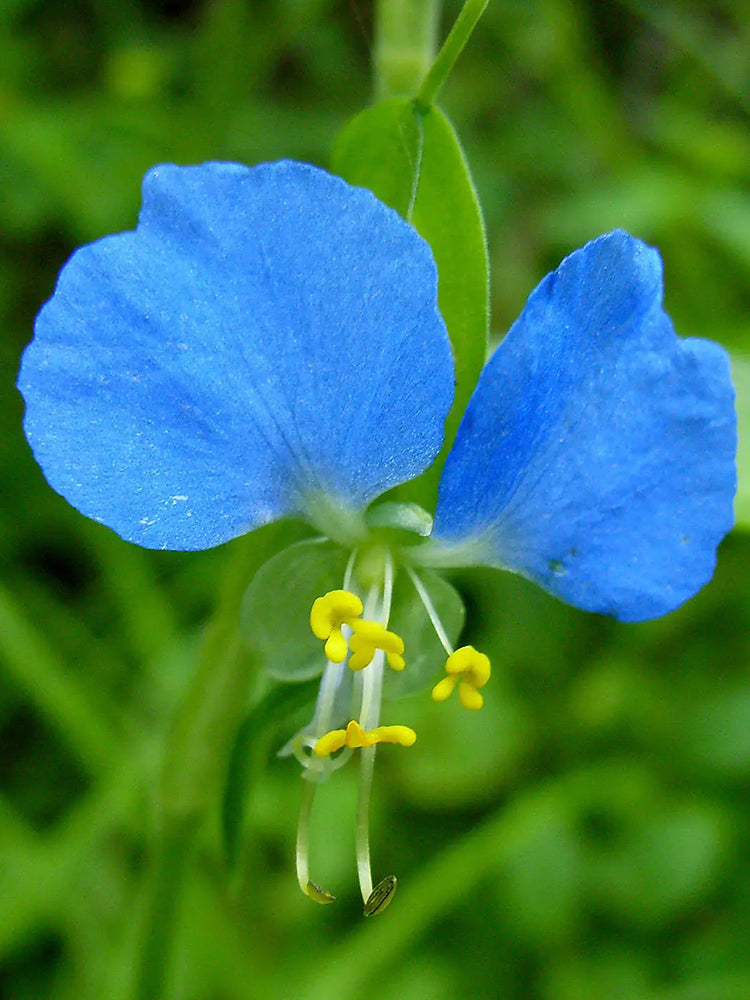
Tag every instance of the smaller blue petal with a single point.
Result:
(266, 343)
(597, 454)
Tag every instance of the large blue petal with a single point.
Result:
(267, 336)
(596, 456)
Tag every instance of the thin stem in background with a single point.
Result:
(406, 33)
(452, 48)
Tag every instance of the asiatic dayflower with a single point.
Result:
(267, 344)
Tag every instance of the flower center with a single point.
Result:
(355, 634)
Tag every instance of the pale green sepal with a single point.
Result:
(423, 651)
(381, 149)
(741, 379)
(275, 619)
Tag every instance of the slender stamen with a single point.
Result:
(368, 719)
(364, 869)
(349, 571)
(372, 675)
(309, 888)
(329, 685)
(387, 590)
(372, 683)
(431, 611)
(336, 619)
(314, 768)
(332, 674)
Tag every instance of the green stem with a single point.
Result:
(405, 45)
(453, 47)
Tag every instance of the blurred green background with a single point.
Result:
(587, 835)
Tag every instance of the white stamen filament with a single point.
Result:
(315, 768)
(303, 832)
(431, 612)
(377, 607)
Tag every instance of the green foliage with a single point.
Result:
(584, 835)
(381, 149)
(447, 214)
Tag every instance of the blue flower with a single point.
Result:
(267, 344)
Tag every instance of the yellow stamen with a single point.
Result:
(443, 689)
(471, 670)
(356, 737)
(367, 637)
(328, 614)
(469, 697)
(330, 743)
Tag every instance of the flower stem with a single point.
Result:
(405, 45)
(452, 48)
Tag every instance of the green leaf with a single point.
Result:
(448, 216)
(394, 150)
(380, 149)
(741, 379)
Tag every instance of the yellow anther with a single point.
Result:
(321, 895)
(469, 697)
(367, 637)
(404, 736)
(470, 670)
(381, 896)
(328, 614)
(443, 689)
(330, 743)
(356, 737)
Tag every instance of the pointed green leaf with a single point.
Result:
(380, 149)
(395, 151)
(448, 216)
